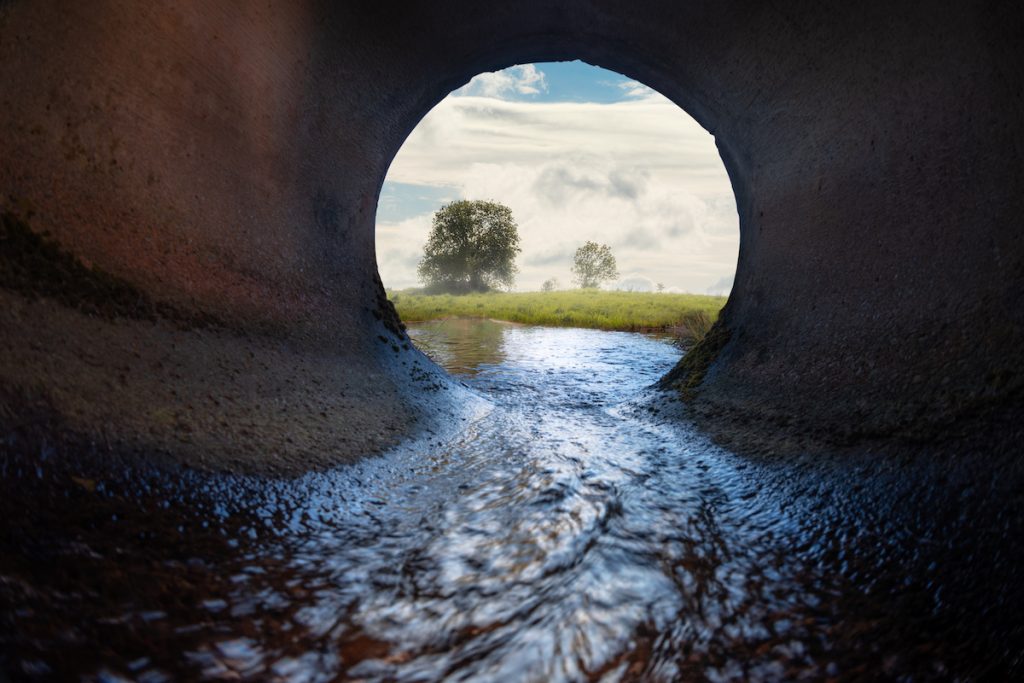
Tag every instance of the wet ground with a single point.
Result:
(571, 531)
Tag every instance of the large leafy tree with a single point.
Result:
(471, 248)
(594, 264)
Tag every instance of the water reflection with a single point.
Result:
(462, 345)
(559, 537)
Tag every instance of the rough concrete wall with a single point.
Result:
(170, 143)
(881, 260)
(211, 158)
(228, 158)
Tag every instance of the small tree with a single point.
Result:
(661, 286)
(550, 285)
(471, 248)
(593, 264)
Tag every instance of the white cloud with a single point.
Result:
(636, 90)
(722, 287)
(525, 79)
(639, 175)
(636, 283)
(399, 249)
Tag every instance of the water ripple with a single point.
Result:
(558, 537)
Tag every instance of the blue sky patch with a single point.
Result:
(399, 201)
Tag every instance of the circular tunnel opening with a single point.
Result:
(579, 154)
(194, 341)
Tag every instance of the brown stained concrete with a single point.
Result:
(226, 159)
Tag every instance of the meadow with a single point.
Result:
(688, 315)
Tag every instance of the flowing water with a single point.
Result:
(567, 533)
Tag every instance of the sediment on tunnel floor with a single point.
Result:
(225, 162)
(148, 392)
(264, 400)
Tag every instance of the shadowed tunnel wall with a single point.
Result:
(222, 162)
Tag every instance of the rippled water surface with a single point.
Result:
(566, 533)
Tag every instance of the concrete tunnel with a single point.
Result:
(188, 195)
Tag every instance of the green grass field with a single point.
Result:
(689, 314)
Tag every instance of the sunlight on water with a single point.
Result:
(561, 536)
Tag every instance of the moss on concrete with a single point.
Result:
(33, 265)
(689, 372)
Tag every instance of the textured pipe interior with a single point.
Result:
(224, 161)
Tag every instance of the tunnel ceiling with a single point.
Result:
(223, 164)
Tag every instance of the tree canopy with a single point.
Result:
(594, 264)
(471, 248)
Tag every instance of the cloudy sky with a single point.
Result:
(578, 153)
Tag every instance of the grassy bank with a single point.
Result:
(573, 308)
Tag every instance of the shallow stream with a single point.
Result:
(567, 533)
